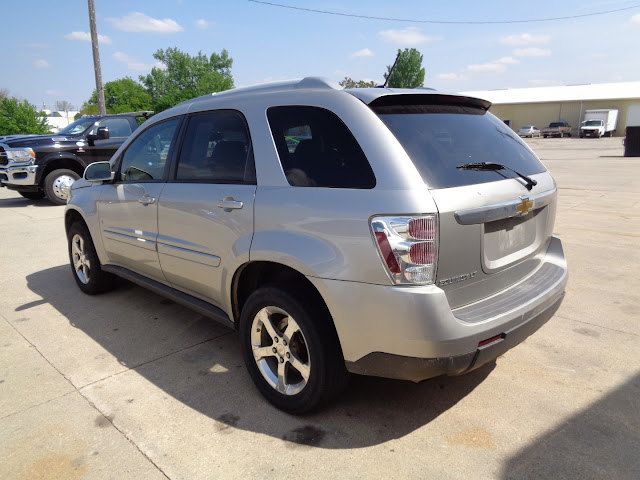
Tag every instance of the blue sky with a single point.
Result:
(45, 51)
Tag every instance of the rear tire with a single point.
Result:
(85, 265)
(58, 183)
(291, 350)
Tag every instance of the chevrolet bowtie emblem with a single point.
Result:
(525, 206)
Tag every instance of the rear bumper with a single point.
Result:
(418, 369)
(411, 333)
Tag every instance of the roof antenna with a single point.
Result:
(384, 85)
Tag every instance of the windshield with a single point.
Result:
(77, 127)
(593, 123)
(439, 142)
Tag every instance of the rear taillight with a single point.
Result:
(408, 247)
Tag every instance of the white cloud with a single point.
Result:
(532, 52)
(525, 39)
(635, 18)
(53, 92)
(134, 64)
(487, 68)
(497, 66)
(41, 64)
(507, 61)
(449, 76)
(596, 56)
(86, 37)
(407, 36)
(141, 23)
(365, 52)
(202, 24)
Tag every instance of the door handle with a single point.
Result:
(229, 203)
(147, 199)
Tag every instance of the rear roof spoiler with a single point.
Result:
(430, 99)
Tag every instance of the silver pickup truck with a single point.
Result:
(557, 129)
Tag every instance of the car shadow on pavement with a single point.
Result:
(603, 441)
(198, 362)
(21, 202)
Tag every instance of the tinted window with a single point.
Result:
(146, 156)
(217, 148)
(316, 149)
(439, 142)
(77, 127)
(118, 127)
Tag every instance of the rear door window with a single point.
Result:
(440, 138)
(316, 149)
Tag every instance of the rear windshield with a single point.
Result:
(439, 139)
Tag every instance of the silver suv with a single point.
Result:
(397, 233)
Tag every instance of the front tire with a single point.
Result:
(58, 183)
(291, 350)
(85, 265)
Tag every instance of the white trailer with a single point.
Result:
(599, 123)
(633, 116)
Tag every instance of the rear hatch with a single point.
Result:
(495, 199)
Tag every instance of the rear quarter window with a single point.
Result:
(439, 138)
(316, 149)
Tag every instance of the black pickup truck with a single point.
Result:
(39, 165)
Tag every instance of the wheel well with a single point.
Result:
(71, 217)
(257, 274)
(64, 162)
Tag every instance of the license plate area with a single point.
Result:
(512, 239)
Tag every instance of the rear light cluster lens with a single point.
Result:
(408, 247)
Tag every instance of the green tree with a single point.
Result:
(122, 95)
(348, 82)
(20, 117)
(408, 72)
(186, 77)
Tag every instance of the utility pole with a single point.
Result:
(96, 58)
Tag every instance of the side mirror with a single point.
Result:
(102, 134)
(98, 172)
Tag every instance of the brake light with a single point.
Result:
(387, 254)
(407, 247)
(423, 228)
(422, 252)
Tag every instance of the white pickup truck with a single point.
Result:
(599, 123)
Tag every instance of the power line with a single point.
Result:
(449, 22)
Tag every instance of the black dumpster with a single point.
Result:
(632, 142)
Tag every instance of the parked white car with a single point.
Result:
(529, 131)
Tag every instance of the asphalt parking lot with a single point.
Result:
(128, 385)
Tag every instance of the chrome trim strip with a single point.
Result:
(499, 211)
(189, 255)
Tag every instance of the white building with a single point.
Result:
(541, 105)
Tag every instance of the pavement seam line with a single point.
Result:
(89, 402)
(134, 444)
(135, 367)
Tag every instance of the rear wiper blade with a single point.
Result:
(489, 166)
